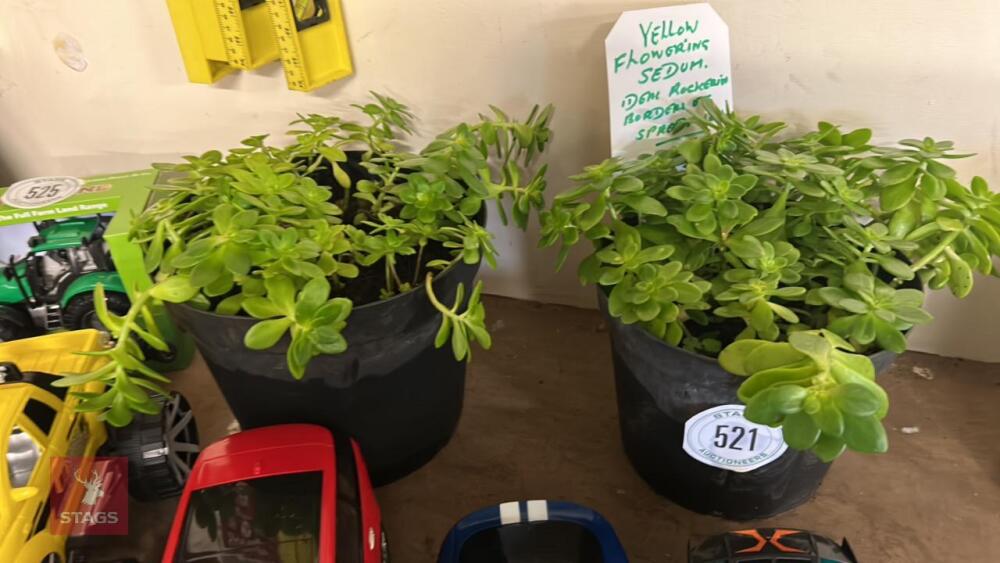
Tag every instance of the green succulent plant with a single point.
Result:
(741, 235)
(824, 396)
(284, 234)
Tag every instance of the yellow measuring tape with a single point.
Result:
(312, 41)
(217, 37)
(234, 39)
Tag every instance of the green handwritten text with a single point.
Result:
(681, 89)
(625, 61)
(667, 71)
(654, 32)
(662, 129)
(654, 113)
(632, 100)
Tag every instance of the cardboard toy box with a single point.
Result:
(59, 237)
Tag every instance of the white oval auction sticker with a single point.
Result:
(721, 437)
(39, 192)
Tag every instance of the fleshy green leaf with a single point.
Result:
(800, 431)
(266, 334)
(732, 357)
(281, 292)
(175, 289)
(311, 298)
(865, 434)
(262, 308)
(856, 400)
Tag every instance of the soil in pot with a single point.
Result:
(659, 387)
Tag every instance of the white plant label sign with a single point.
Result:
(721, 437)
(660, 62)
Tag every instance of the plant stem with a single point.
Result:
(385, 188)
(610, 205)
(420, 258)
(395, 275)
(136, 309)
(429, 286)
(312, 167)
(937, 250)
(441, 307)
(346, 206)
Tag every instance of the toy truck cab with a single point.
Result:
(38, 424)
(288, 493)
(51, 287)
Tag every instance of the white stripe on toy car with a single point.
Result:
(538, 510)
(510, 513)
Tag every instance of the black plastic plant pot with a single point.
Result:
(659, 388)
(392, 390)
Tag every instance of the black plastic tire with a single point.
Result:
(79, 312)
(14, 324)
(161, 449)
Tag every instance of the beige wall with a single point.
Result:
(903, 67)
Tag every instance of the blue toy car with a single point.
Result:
(536, 531)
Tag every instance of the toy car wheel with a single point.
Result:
(14, 324)
(385, 547)
(161, 449)
(80, 313)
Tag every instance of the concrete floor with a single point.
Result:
(540, 421)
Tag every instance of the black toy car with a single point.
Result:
(770, 545)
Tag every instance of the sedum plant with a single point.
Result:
(793, 255)
(296, 236)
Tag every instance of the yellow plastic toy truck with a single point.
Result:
(39, 426)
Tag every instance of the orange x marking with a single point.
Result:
(774, 540)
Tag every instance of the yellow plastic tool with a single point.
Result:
(312, 41)
(217, 37)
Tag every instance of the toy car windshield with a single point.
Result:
(535, 542)
(536, 531)
(269, 519)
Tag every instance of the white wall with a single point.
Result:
(903, 67)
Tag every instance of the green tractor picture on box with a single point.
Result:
(52, 286)
(62, 236)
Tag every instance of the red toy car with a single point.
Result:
(289, 493)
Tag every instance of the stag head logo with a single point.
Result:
(101, 509)
(94, 487)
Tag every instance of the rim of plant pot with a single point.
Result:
(602, 296)
(419, 287)
(481, 219)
